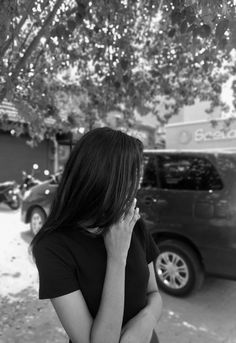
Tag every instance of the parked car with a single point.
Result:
(36, 203)
(30, 180)
(188, 201)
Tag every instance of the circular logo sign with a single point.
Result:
(185, 137)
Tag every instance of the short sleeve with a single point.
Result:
(57, 275)
(152, 250)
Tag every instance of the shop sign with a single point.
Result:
(201, 135)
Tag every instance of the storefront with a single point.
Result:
(201, 135)
(15, 153)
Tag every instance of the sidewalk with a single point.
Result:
(205, 317)
(29, 320)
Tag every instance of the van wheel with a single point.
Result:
(37, 219)
(178, 269)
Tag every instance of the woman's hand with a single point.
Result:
(117, 239)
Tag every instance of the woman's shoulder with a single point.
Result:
(54, 249)
(48, 239)
(61, 239)
(54, 242)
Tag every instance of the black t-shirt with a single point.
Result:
(70, 260)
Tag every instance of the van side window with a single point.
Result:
(149, 178)
(188, 173)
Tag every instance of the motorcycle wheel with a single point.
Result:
(14, 204)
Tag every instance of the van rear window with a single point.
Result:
(149, 178)
(188, 173)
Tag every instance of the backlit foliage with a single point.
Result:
(119, 54)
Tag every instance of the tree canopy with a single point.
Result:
(121, 54)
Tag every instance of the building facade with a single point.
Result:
(194, 128)
(16, 155)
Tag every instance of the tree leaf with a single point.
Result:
(71, 24)
(221, 27)
(97, 68)
(192, 27)
(190, 14)
(204, 31)
(59, 31)
(183, 26)
(124, 63)
(233, 35)
(222, 43)
(126, 78)
(122, 43)
(171, 33)
(176, 17)
(81, 9)
(117, 84)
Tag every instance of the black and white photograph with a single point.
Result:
(117, 171)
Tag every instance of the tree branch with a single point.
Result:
(18, 28)
(22, 62)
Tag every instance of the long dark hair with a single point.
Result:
(98, 184)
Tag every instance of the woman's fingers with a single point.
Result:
(117, 239)
(136, 217)
(133, 215)
(130, 213)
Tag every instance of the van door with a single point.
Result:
(176, 194)
(148, 193)
(185, 194)
(220, 238)
(163, 202)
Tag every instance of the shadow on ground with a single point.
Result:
(25, 319)
(206, 316)
(5, 209)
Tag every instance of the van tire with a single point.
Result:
(173, 255)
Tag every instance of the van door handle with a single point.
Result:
(149, 200)
(161, 203)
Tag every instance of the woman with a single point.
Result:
(93, 254)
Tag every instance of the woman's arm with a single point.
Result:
(77, 320)
(72, 309)
(140, 328)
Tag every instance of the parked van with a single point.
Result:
(188, 201)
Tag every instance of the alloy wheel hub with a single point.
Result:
(172, 270)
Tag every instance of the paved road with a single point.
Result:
(208, 316)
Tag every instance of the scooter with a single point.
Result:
(9, 194)
(29, 180)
